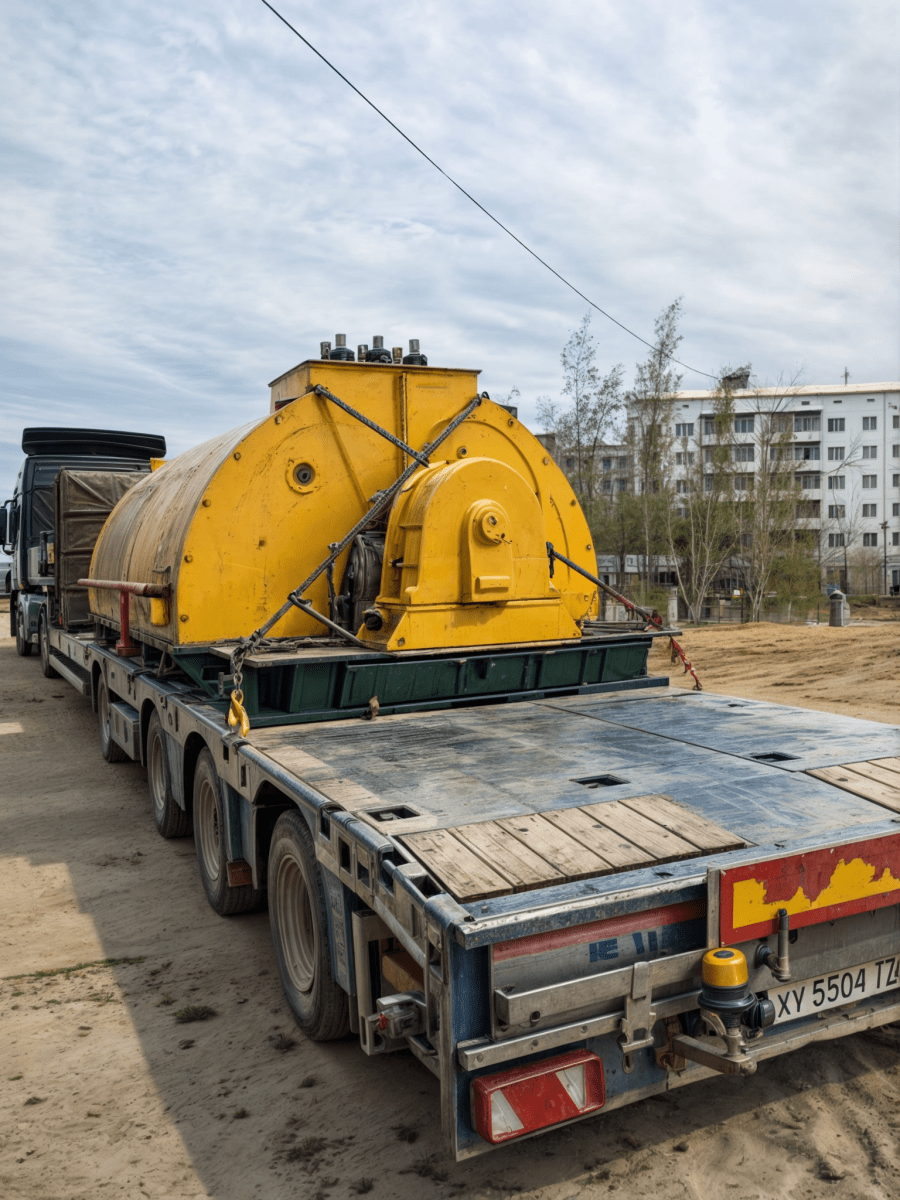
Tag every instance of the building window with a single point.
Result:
(744, 453)
(835, 539)
(777, 452)
(895, 510)
(681, 487)
(743, 424)
(808, 509)
(782, 423)
(622, 463)
(809, 482)
(607, 485)
(836, 454)
(897, 422)
(607, 464)
(836, 424)
(870, 510)
(870, 451)
(870, 539)
(709, 454)
(709, 426)
(870, 422)
(621, 485)
(895, 451)
(807, 424)
(837, 483)
(684, 458)
(895, 539)
(707, 483)
(685, 430)
(743, 483)
(807, 453)
(896, 479)
(870, 481)
(570, 463)
(836, 511)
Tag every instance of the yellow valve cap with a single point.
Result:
(724, 968)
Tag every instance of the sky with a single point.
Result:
(191, 200)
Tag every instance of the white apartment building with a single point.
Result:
(846, 445)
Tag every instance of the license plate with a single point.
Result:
(841, 987)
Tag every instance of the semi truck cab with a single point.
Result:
(27, 520)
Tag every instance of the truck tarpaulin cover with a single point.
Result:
(84, 499)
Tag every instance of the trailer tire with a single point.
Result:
(209, 841)
(110, 749)
(299, 921)
(44, 643)
(171, 819)
(23, 646)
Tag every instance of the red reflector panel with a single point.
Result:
(519, 1101)
(816, 886)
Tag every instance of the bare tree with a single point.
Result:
(651, 402)
(585, 420)
(767, 499)
(701, 526)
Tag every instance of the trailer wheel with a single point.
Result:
(171, 820)
(209, 839)
(299, 923)
(23, 646)
(110, 750)
(44, 642)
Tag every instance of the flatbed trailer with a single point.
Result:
(518, 875)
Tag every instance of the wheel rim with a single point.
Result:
(156, 770)
(207, 824)
(296, 924)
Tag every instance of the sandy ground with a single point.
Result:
(104, 1093)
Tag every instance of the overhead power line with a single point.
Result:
(469, 196)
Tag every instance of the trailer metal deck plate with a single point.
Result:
(816, 886)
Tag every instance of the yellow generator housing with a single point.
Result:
(231, 527)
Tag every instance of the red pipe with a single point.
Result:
(125, 647)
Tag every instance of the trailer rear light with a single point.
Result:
(524, 1099)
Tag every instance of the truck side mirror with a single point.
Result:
(3, 521)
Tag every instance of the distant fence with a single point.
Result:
(785, 614)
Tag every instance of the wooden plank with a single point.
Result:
(461, 871)
(889, 764)
(872, 770)
(869, 789)
(618, 851)
(499, 849)
(697, 830)
(402, 971)
(572, 859)
(658, 842)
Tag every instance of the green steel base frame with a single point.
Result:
(332, 686)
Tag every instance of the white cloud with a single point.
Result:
(195, 200)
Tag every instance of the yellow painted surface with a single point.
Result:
(724, 968)
(468, 541)
(238, 522)
(852, 880)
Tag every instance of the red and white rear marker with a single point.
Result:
(522, 1100)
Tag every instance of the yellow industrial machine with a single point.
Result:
(226, 531)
